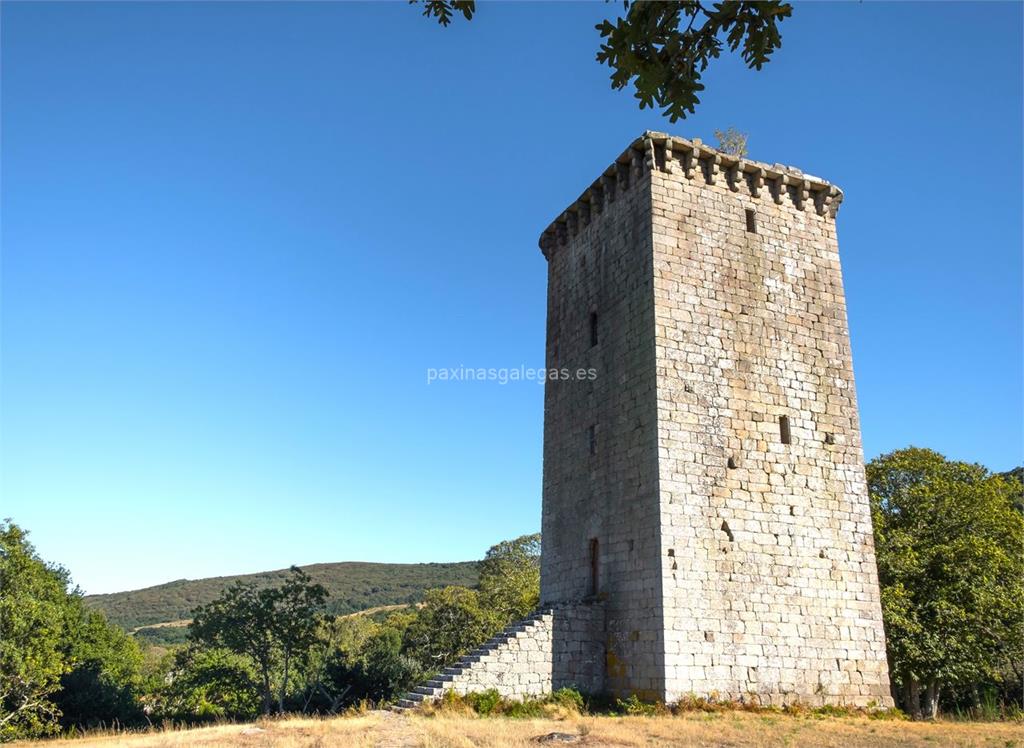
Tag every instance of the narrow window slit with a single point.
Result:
(732, 464)
(751, 221)
(592, 439)
(594, 566)
(727, 531)
(593, 329)
(784, 432)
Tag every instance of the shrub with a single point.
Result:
(485, 702)
(490, 703)
(209, 684)
(570, 698)
(634, 707)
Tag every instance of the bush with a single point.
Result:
(568, 698)
(485, 702)
(490, 703)
(378, 675)
(634, 707)
(209, 684)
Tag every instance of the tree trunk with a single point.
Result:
(975, 700)
(912, 698)
(284, 682)
(932, 700)
(268, 694)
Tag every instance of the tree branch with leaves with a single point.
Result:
(663, 48)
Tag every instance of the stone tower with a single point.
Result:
(706, 527)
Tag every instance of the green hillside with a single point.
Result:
(352, 585)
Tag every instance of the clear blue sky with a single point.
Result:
(236, 235)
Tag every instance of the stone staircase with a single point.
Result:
(499, 664)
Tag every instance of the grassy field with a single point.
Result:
(734, 729)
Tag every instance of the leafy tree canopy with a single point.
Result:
(663, 47)
(949, 547)
(34, 615)
(59, 663)
(104, 679)
(207, 683)
(272, 626)
(510, 578)
(451, 621)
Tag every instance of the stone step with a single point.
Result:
(438, 684)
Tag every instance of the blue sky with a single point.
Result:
(236, 235)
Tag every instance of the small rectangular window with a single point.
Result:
(751, 221)
(594, 567)
(593, 329)
(592, 439)
(784, 433)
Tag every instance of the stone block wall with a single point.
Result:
(600, 494)
(769, 576)
(578, 647)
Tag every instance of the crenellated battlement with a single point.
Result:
(696, 161)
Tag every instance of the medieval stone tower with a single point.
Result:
(706, 527)
(704, 494)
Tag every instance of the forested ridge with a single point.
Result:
(352, 586)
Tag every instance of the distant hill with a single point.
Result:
(1018, 473)
(353, 586)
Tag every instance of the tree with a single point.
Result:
(650, 47)
(948, 543)
(104, 678)
(209, 683)
(295, 622)
(272, 626)
(732, 141)
(510, 578)
(35, 610)
(378, 670)
(451, 621)
(60, 664)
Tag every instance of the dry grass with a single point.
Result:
(734, 729)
